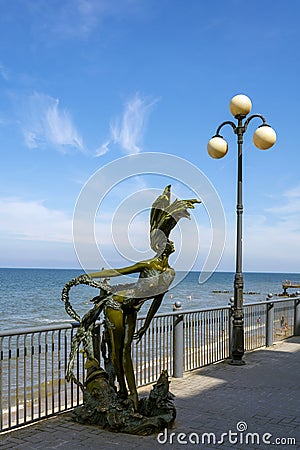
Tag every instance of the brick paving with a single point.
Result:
(262, 396)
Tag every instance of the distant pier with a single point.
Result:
(287, 284)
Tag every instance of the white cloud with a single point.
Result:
(103, 149)
(128, 131)
(33, 221)
(44, 123)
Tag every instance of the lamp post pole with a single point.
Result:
(237, 350)
(264, 137)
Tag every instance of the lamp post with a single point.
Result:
(263, 138)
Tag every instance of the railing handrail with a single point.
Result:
(188, 311)
(45, 328)
(271, 300)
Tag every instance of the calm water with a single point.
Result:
(31, 297)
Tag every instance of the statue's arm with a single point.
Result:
(155, 305)
(109, 273)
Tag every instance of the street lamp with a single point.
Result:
(263, 138)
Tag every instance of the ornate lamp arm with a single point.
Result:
(264, 122)
(228, 122)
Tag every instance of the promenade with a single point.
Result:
(256, 406)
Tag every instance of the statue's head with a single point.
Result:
(158, 241)
(164, 217)
(160, 244)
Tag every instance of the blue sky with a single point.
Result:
(85, 82)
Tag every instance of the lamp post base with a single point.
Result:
(237, 346)
(237, 362)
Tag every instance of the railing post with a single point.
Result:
(230, 326)
(178, 342)
(297, 317)
(269, 322)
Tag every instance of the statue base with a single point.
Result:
(103, 407)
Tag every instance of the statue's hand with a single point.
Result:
(139, 334)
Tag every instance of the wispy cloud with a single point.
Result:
(45, 123)
(128, 131)
(103, 149)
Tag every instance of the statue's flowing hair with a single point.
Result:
(164, 216)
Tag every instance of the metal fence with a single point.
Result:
(206, 337)
(33, 362)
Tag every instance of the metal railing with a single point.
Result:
(33, 362)
(206, 337)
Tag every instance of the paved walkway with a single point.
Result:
(223, 400)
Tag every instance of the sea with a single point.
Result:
(32, 297)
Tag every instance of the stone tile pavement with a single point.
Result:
(256, 406)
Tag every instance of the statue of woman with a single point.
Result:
(121, 303)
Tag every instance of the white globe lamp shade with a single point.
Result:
(240, 105)
(264, 137)
(217, 147)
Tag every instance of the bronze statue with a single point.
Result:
(121, 303)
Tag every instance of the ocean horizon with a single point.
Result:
(31, 297)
